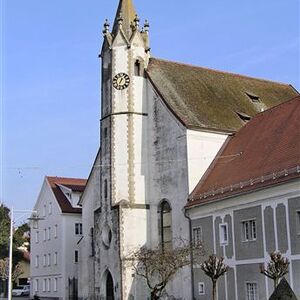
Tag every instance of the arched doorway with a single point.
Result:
(109, 287)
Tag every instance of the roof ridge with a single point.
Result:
(67, 178)
(222, 72)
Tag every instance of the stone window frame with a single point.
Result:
(256, 295)
(252, 233)
(162, 228)
(201, 288)
(223, 241)
(198, 240)
(78, 228)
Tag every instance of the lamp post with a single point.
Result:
(34, 218)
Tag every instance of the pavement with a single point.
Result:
(16, 298)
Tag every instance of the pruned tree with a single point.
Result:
(158, 266)
(276, 268)
(214, 267)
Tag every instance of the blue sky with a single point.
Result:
(50, 91)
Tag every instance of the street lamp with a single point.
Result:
(34, 218)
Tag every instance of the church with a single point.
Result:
(162, 124)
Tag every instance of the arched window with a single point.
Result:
(139, 68)
(166, 225)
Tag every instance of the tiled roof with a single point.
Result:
(265, 152)
(74, 184)
(209, 99)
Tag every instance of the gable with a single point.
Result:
(207, 99)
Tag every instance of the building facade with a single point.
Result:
(162, 124)
(54, 245)
(248, 205)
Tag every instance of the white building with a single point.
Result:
(54, 245)
(162, 123)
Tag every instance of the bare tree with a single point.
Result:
(214, 268)
(158, 266)
(276, 268)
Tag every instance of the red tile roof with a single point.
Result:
(265, 152)
(75, 184)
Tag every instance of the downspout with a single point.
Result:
(191, 253)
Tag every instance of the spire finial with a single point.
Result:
(136, 22)
(120, 20)
(146, 26)
(106, 27)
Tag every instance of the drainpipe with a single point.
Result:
(191, 253)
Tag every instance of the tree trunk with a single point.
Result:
(275, 282)
(214, 290)
(154, 295)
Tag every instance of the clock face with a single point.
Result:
(121, 81)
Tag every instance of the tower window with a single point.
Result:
(137, 68)
(166, 225)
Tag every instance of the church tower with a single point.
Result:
(122, 215)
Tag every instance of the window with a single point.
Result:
(137, 68)
(298, 222)
(249, 230)
(55, 231)
(69, 195)
(55, 284)
(197, 235)
(251, 290)
(49, 284)
(36, 285)
(201, 288)
(166, 225)
(92, 241)
(44, 210)
(37, 261)
(45, 233)
(78, 228)
(76, 256)
(44, 284)
(49, 233)
(105, 188)
(223, 234)
(55, 258)
(45, 260)
(49, 259)
(37, 238)
(50, 208)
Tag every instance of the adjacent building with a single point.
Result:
(247, 205)
(54, 245)
(162, 124)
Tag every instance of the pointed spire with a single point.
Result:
(127, 13)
